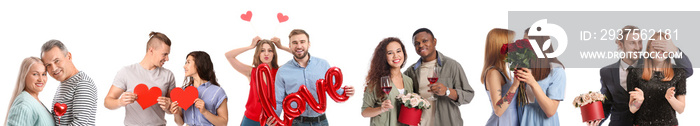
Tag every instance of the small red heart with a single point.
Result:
(147, 97)
(185, 98)
(282, 18)
(59, 109)
(247, 16)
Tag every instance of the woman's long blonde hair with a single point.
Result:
(492, 53)
(19, 87)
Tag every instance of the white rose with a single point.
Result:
(414, 102)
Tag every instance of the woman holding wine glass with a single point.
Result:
(384, 82)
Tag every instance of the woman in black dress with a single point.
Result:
(657, 87)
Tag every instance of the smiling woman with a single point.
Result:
(25, 108)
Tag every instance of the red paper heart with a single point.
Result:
(59, 109)
(282, 18)
(147, 97)
(184, 98)
(247, 16)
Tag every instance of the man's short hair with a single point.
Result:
(159, 36)
(51, 44)
(297, 32)
(423, 30)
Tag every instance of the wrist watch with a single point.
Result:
(447, 93)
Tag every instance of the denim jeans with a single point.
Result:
(248, 122)
(319, 123)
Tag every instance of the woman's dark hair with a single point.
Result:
(205, 69)
(541, 67)
(379, 66)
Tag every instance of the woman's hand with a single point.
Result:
(525, 75)
(255, 41)
(671, 93)
(277, 41)
(175, 109)
(386, 105)
(199, 104)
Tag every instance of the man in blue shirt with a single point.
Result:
(303, 70)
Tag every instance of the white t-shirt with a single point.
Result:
(428, 114)
(128, 77)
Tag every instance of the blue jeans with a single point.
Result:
(248, 122)
(320, 123)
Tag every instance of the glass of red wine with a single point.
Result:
(432, 78)
(386, 85)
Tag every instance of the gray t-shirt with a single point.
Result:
(128, 77)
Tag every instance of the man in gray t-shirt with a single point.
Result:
(150, 72)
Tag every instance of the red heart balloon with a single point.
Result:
(301, 97)
(247, 16)
(282, 18)
(147, 97)
(184, 98)
(59, 109)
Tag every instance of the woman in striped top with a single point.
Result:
(210, 107)
(25, 107)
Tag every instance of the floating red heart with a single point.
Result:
(184, 98)
(301, 97)
(282, 18)
(59, 109)
(247, 16)
(147, 97)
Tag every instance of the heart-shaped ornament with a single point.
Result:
(282, 18)
(184, 98)
(59, 109)
(247, 16)
(147, 97)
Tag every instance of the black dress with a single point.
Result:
(655, 110)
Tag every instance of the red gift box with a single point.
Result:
(410, 116)
(592, 111)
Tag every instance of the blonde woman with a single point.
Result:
(499, 86)
(25, 107)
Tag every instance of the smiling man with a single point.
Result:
(303, 70)
(150, 72)
(452, 88)
(77, 90)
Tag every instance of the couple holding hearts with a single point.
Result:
(202, 102)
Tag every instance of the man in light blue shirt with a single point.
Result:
(303, 70)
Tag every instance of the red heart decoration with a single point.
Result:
(282, 18)
(184, 98)
(247, 16)
(147, 97)
(59, 109)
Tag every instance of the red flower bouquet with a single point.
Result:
(412, 108)
(518, 55)
(591, 106)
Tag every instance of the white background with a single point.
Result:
(106, 36)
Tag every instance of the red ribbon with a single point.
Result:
(301, 97)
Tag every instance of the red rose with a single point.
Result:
(524, 43)
(504, 49)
